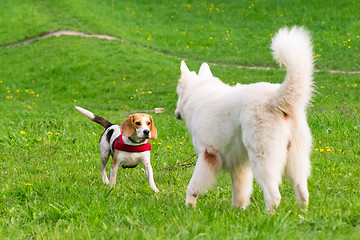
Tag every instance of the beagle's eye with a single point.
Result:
(148, 123)
(138, 123)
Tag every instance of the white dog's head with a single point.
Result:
(187, 80)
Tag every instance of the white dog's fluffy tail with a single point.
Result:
(100, 120)
(293, 48)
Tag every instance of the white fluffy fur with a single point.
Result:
(257, 130)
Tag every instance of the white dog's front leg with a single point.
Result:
(150, 176)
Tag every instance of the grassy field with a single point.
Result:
(50, 181)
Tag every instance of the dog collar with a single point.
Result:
(143, 140)
(120, 145)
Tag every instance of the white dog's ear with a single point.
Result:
(184, 69)
(205, 71)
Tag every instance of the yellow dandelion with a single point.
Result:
(37, 95)
(42, 68)
(17, 91)
(321, 150)
(57, 134)
(39, 139)
(22, 132)
(149, 92)
(28, 184)
(124, 79)
(74, 100)
(316, 149)
(159, 143)
(180, 143)
(169, 147)
(29, 107)
(1, 81)
(211, 38)
(50, 133)
(131, 98)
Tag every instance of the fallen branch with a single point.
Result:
(182, 164)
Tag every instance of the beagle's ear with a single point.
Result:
(153, 130)
(205, 71)
(127, 128)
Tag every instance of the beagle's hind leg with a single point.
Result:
(105, 154)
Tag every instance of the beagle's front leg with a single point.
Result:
(149, 172)
(114, 168)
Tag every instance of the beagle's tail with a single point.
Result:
(293, 48)
(100, 120)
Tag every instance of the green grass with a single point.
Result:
(50, 181)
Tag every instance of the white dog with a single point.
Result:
(251, 130)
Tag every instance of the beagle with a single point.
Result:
(126, 143)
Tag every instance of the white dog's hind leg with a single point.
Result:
(204, 176)
(297, 167)
(242, 181)
(267, 169)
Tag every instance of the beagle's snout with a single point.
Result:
(146, 132)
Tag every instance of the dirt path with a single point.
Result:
(73, 33)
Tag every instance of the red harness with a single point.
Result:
(120, 145)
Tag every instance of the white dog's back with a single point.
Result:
(258, 129)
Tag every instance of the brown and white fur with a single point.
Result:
(135, 130)
(257, 130)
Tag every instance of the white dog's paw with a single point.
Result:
(156, 189)
(191, 199)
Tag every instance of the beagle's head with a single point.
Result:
(140, 124)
